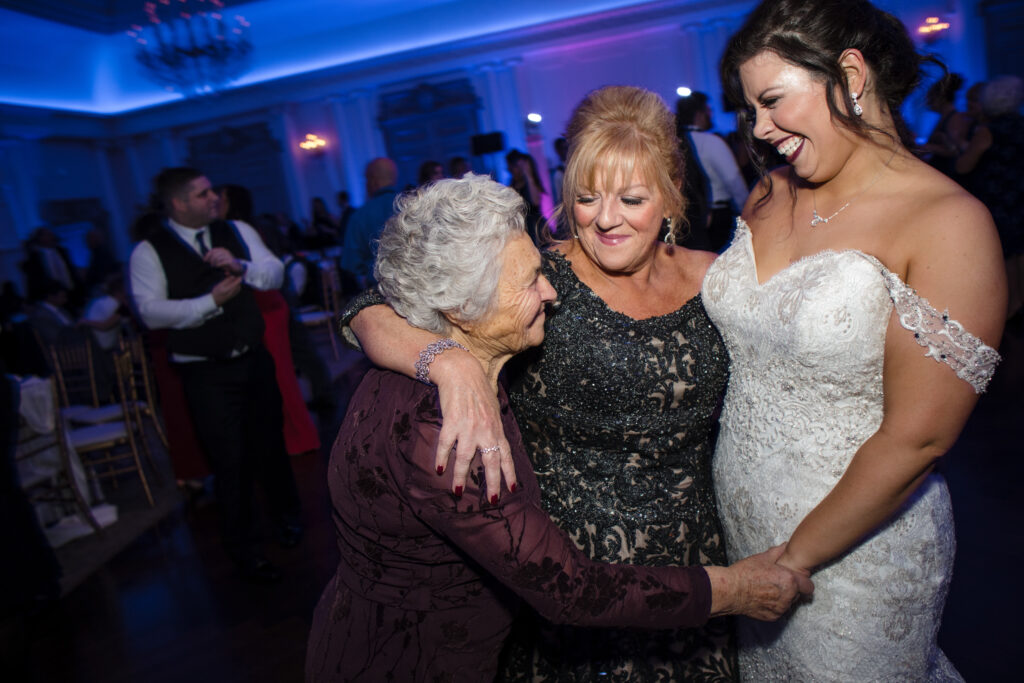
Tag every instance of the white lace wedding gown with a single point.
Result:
(805, 391)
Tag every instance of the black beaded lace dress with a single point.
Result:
(617, 416)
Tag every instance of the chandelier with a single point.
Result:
(190, 46)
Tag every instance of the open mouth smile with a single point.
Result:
(790, 146)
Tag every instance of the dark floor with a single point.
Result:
(168, 607)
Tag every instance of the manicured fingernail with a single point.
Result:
(458, 492)
(494, 499)
(440, 469)
(513, 487)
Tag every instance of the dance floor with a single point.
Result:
(168, 608)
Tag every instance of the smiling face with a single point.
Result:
(791, 114)
(618, 221)
(517, 319)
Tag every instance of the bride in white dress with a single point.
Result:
(858, 303)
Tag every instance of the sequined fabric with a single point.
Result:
(617, 418)
(805, 391)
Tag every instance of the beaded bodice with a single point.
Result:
(805, 391)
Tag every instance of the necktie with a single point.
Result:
(201, 241)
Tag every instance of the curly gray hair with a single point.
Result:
(440, 252)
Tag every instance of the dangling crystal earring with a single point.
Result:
(670, 236)
(857, 109)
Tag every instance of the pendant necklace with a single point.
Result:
(817, 220)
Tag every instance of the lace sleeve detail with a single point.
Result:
(365, 299)
(947, 341)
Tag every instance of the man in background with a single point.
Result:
(728, 189)
(193, 277)
(366, 224)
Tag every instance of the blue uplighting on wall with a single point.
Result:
(51, 65)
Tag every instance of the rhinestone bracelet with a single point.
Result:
(433, 350)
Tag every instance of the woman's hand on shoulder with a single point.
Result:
(471, 421)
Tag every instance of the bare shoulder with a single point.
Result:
(691, 263)
(769, 195)
(943, 216)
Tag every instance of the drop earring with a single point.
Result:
(857, 109)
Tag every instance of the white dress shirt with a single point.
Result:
(149, 282)
(720, 165)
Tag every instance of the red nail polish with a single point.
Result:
(458, 492)
(440, 470)
(494, 499)
(513, 487)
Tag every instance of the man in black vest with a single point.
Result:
(194, 277)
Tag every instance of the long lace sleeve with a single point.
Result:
(365, 299)
(517, 543)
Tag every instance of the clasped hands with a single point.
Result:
(231, 285)
(759, 586)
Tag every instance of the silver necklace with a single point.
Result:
(817, 220)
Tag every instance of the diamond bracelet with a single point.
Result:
(432, 351)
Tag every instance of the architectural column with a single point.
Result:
(497, 86)
(140, 180)
(359, 138)
(283, 129)
(171, 148)
(112, 199)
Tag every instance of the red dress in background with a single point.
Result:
(187, 457)
(300, 434)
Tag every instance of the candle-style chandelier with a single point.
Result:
(192, 46)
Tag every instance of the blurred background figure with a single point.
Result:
(561, 146)
(458, 167)
(994, 164)
(949, 136)
(345, 211)
(323, 229)
(107, 312)
(526, 181)
(366, 223)
(728, 188)
(300, 434)
(102, 262)
(429, 172)
(46, 261)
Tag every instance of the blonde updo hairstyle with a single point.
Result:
(622, 129)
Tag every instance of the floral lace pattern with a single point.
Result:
(805, 391)
(617, 418)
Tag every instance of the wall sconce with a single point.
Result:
(533, 124)
(933, 28)
(683, 91)
(313, 143)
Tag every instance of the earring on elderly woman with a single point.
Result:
(857, 109)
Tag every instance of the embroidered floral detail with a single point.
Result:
(947, 342)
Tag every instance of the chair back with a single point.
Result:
(75, 372)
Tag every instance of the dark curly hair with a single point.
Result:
(813, 34)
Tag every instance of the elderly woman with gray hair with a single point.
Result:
(429, 580)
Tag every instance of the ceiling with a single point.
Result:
(90, 64)
(99, 16)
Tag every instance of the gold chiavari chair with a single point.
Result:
(58, 486)
(145, 384)
(110, 449)
(325, 315)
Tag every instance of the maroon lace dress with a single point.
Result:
(428, 584)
